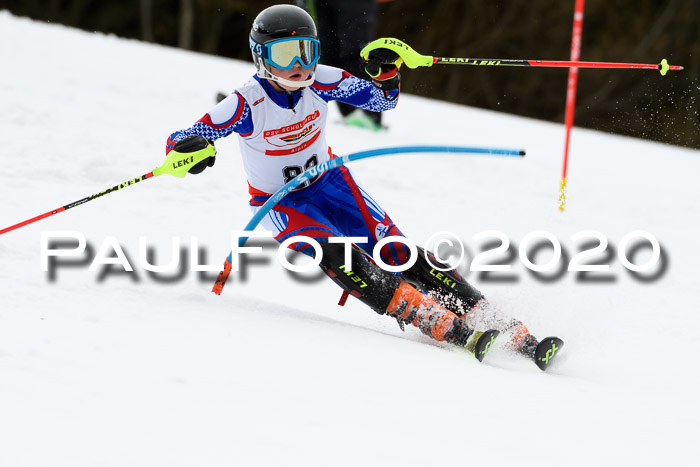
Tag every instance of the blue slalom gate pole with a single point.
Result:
(318, 170)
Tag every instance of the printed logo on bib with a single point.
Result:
(298, 136)
(380, 231)
(292, 139)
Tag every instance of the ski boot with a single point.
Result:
(411, 306)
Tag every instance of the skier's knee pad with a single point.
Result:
(368, 282)
(447, 286)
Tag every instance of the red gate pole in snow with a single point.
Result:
(571, 94)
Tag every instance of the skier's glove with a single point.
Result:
(382, 65)
(196, 143)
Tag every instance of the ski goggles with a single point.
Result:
(284, 53)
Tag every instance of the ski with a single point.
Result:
(546, 350)
(481, 342)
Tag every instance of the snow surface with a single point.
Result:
(126, 370)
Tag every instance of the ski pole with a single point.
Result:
(413, 59)
(176, 164)
(316, 171)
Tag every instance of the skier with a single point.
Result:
(280, 117)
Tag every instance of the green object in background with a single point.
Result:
(360, 119)
(311, 9)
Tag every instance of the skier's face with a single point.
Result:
(296, 73)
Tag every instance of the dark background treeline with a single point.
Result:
(632, 102)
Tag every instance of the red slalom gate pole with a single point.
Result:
(571, 94)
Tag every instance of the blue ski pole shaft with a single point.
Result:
(318, 170)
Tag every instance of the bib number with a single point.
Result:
(292, 171)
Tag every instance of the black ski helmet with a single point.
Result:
(279, 22)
